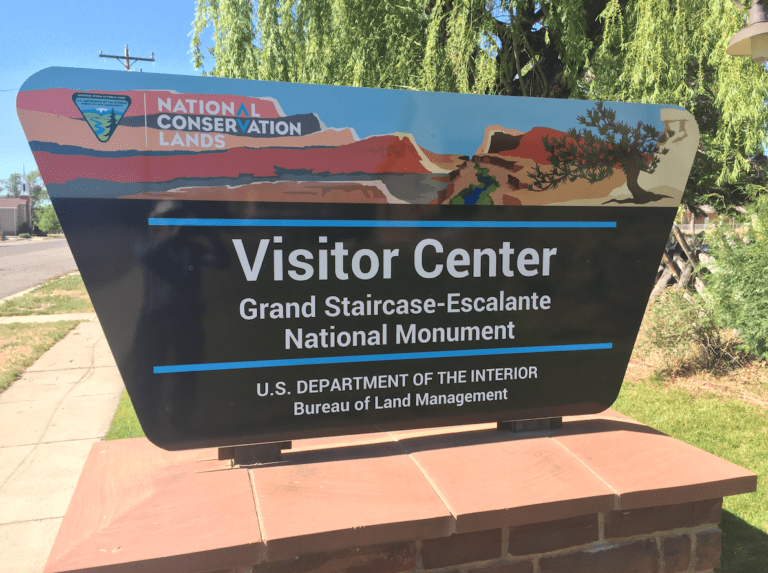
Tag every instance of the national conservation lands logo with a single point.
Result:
(103, 112)
(186, 121)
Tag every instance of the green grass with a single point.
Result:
(62, 295)
(22, 344)
(125, 424)
(731, 430)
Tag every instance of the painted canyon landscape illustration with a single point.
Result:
(165, 145)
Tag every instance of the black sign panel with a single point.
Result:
(255, 294)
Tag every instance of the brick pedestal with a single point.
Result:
(602, 494)
(668, 539)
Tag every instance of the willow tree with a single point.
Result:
(654, 51)
(673, 52)
(469, 46)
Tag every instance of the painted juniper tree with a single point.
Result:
(656, 51)
(593, 152)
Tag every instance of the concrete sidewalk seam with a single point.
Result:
(53, 413)
(71, 368)
(41, 520)
(90, 439)
(75, 384)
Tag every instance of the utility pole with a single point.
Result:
(128, 59)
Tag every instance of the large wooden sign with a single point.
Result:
(273, 261)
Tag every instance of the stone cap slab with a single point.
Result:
(647, 468)
(354, 496)
(490, 478)
(136, 504)
(137, 507)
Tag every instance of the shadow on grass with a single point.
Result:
(745, 547)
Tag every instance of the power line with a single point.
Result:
(127, 60)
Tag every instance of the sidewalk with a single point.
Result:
(49, 418)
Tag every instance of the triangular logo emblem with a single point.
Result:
(103, 112)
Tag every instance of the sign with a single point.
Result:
(273, 261)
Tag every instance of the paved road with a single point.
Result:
(27, 263)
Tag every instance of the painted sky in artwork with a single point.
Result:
(445, 123)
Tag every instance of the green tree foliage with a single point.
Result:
(739, 281)
(673, 52)
(584, 154)
(657, 51)
(469, 46)
(47, 220)
(11, 187)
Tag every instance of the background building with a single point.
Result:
(14, 212)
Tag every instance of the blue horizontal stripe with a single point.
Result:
(159, 221)
(376, 358)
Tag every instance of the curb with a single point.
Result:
(43, 318)
(30, 289)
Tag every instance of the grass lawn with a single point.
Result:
(22, 344)
(58, 296)
(125, 424)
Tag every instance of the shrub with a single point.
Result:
(24, 229)
(24, 235)
(47, 219)
(739, 280)
(682, 332)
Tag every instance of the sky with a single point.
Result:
(43, 33)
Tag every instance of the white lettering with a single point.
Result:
(251, 271)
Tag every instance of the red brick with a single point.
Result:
(636, 557)
(677, 553)
(553, 535)
(662, 518)
(461, 548)
(506, 567)
(393, 558)
(707, 550)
